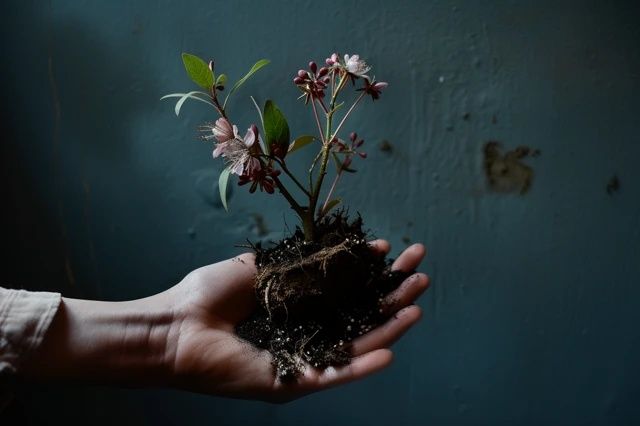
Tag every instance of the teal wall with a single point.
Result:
(534, 310)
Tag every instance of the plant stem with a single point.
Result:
(347, 114)
(294, 204)
(214, 99)
(313, 165)
(308, 219)
(315, 114)
(284, 167)
(333, 186)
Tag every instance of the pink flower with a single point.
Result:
(332, 60)
(223, 132)
(374, 88)
(240, 154)
(356, 67)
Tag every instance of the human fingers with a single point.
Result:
(406, 294)
(410, 258)
(361, 366)
(380, 247)
(386, 334)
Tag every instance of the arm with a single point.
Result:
(184, 337)
(124, 343)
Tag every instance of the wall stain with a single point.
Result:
(506, 172)
(260, 225)
(386, 146)
(613, 185)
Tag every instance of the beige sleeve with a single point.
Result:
(24, 319)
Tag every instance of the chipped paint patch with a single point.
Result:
(506, 173)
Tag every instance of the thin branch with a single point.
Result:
(313, 165)
(324, 107)
(333, 187)
(347, 114)
(284, 167)
(294, 204)
(315, 114)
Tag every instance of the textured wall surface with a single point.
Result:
(534, 310)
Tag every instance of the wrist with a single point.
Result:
(125, 343)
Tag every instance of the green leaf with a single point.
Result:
(221, 80)
(301, 141)
(198, 70)
(223, 180)
(261, 63)
(276, 129)
(184, 96)
(259, 112)
(331, 204)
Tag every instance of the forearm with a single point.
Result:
(122, 343)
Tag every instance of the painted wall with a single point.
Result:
(534, 310)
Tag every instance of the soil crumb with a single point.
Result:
(314, 298)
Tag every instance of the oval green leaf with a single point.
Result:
(276, 128)
(198, 70)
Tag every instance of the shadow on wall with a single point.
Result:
(98, 94)
(48, 169)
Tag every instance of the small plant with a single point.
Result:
(260, 158)
(323, 286)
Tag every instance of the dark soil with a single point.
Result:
(316, 297)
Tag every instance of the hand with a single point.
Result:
(185, 337)
(210, 358)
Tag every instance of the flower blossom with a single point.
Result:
(241, 154)
(223, 132)
(332, 60)
(374, 88)
(356, 67)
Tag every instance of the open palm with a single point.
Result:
(209, 357)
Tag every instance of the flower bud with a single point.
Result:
(332, 60)
(211, 65)
(323, 71)
(362, 154)
(302, 73)
(313, 67)
(359, 143)
(353, 136)
(254, 129)
(298, 80)
(268, 187)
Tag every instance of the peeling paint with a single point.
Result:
(506, 172)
